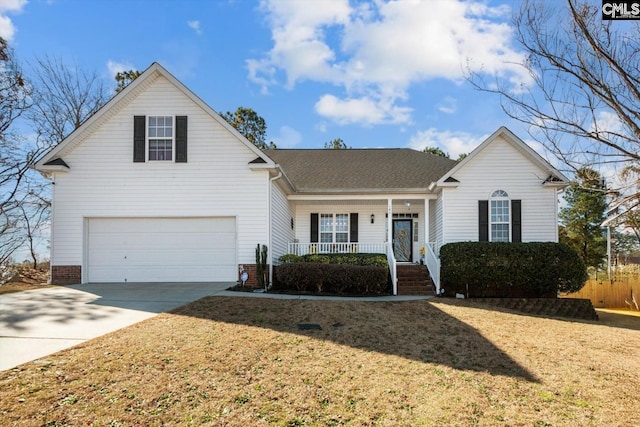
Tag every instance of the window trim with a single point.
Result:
(333, 233)
(500, 196)
(148, 138)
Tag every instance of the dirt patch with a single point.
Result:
(25, 278)
(237, 361)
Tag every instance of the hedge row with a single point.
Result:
(510, 270)
(340, 279)
(376, 260)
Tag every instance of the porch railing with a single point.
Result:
(337, 248)
(433, 264)
(391, 260)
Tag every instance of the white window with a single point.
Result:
(334, 228)
(500, 217)
(160, 137)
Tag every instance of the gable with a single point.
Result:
(110, 146)
(156, 92)
(495, 156)
(500, 164)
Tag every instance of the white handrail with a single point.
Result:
(433, 264)
(391, 259)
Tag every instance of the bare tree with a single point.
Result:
(14, 93)
(35, 215)
(584, 103)
(60, 100)
(64, 97)
(15, 156)
(14, 101)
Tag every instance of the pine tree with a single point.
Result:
(582, 217)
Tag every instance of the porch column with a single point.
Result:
(426, 222)
(389, 220)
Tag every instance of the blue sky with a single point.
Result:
(374, 73)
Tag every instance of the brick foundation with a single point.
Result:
(66, 274)
(250, 269)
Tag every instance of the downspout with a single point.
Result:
(52, 177)
(271, 180)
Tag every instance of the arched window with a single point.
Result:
(500, 218)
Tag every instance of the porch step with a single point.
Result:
(414, 280)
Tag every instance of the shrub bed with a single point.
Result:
(510, 270)
(376, 260)
(337, 279)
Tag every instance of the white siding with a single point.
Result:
(500, 166)
(436, 222)
(281, 231)
(105, 182)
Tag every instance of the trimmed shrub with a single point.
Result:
(376, 260)
(510, 270)
(340, 279)
(290, 258)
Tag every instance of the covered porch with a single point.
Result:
(399, 226)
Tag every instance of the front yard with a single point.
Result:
(246, 361)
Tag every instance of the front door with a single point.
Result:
(402, 246)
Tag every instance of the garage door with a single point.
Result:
(161, 250)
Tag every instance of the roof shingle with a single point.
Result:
(356, 170)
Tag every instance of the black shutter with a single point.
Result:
(181, 139)
(353, 227)
(314, 228)
(483, 220)
(139, 124)
(516, 220)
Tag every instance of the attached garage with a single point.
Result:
(161, 249)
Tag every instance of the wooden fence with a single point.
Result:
(607, 294)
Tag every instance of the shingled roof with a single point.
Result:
(360, 170)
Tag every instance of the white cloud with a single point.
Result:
(118, 67)
(322, 127)
(378, 50)
(607, 121)
(452, 142)
(448, 105)
(7, 29)
(287, 137)
(361, 110)
(195, 26)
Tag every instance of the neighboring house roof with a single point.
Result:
(52, 160)
(553, 178)
(360, 170)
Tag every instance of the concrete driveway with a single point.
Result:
(36, 323)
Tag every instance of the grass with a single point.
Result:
(244, 362)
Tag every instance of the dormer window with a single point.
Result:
(160, 132)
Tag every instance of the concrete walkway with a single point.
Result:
(37, 323)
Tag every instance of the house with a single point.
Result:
(157, 187)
